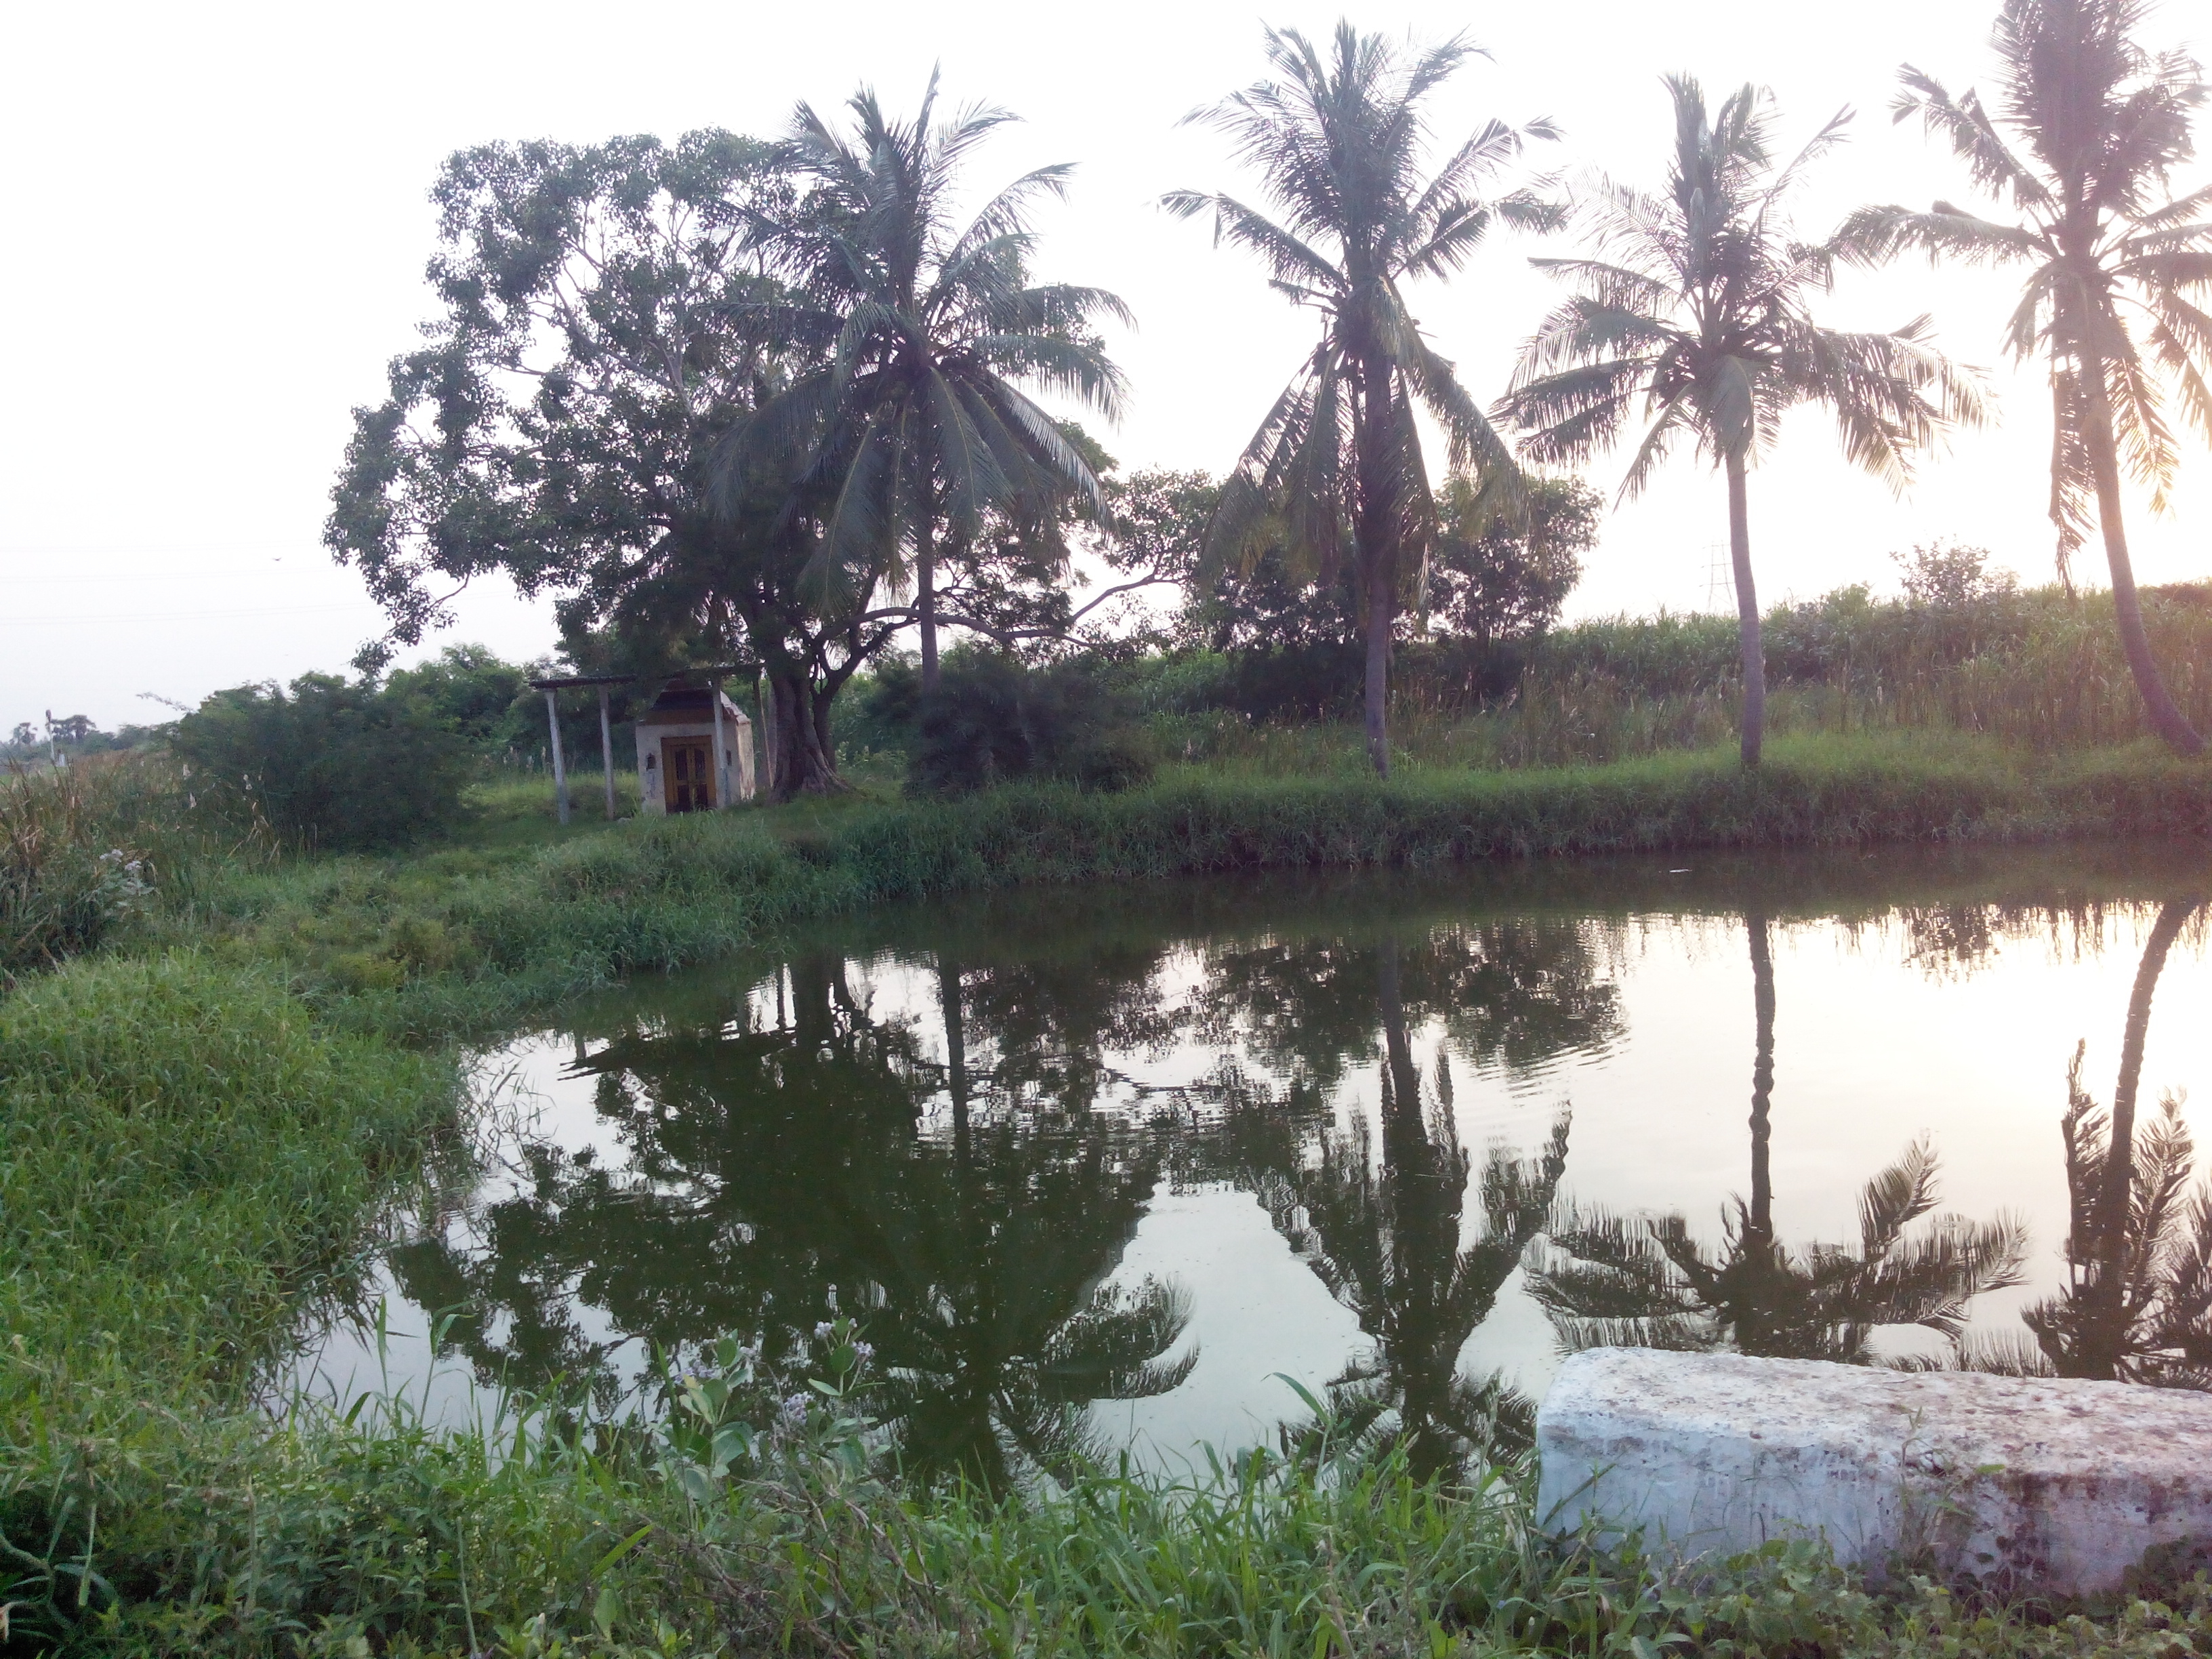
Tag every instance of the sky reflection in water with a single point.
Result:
(1092, 1167)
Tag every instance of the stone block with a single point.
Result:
(2058, 1486)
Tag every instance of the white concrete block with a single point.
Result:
(2055, 1484)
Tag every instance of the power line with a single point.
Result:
(186, 616)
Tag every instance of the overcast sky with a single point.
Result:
(220, 225)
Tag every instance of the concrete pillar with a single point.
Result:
(607, 752)
(2039, 1483)
(560, 768)
(721, 747)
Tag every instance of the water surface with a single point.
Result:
(1104, 1166)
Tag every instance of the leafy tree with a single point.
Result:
(2118, 268)
(599, 335)
(550, 428)
(1695, 304)
(1339, 457)
(1496, 575)
(1945, 576)
(487, 701)
(907, 418)
(334, 763)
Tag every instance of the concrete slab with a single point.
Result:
(2057, 1484)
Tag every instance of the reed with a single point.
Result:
(2040, 669)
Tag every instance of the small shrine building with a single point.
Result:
(678, 740)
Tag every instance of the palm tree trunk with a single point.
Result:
(956, 1051)
(1376, 536)
(1746, 611)
(2165, 715)
(2107, 1327)
(925, 581)
(1382, 605)
(1762, 1075)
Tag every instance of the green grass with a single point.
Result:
(184, 1153)
(367, 1532)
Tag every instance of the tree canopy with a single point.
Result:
(2118, 268)
(1336, 466)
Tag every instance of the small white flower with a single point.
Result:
(824, 1331)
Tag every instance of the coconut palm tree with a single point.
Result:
(911, 428)
(2118, 268)
(1338, 141)
(1694, 304)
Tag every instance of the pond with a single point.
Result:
(1115, 1167)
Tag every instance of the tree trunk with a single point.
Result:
(1379, 534)
(1762, 1075)
(1382, 614)
(955, 1050)
(1746, 611)
(805, 765)
(925, 582)
(2107, 1328)
(2165, 715)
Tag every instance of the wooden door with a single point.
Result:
(688, 763)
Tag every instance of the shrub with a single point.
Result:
(992, 720)
(76, 855)
(333, 765)
(488, 702)
(881, 708)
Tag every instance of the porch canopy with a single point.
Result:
(714, 673)
(551, 687)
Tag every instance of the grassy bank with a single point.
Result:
(205, 1117)
(472, 939)
(184, 1152)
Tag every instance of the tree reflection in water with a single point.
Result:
(1384, 1232)
(773, 1170)
(2138, 1303)
(1644, 1281)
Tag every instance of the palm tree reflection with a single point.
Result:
(1384, 1237)
(2138, 1303)
(1645, 1281)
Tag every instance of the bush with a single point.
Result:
(992, 720)
(334, 765)
(880, 708)
(488, 702)
(72, 861)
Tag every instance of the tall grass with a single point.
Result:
(469, 939)
(77, 854)
(2040, 668)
